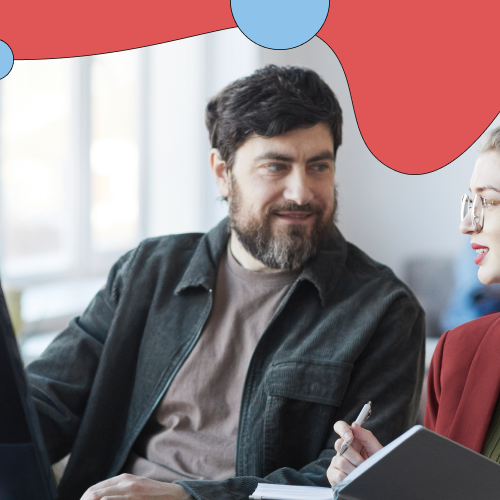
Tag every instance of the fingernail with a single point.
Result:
(347, 436)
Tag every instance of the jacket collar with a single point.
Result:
(323, 271)
(204, 264)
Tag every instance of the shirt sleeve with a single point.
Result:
(61, 379)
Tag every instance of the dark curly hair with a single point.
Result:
(271, 101)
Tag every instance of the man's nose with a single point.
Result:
(297, 188)
(466, 226)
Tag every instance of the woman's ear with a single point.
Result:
(219, 169)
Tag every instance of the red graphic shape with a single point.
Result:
(62, 28)
(423, 75)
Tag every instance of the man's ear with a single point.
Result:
(219, 169)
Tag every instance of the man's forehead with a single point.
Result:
(311, 141)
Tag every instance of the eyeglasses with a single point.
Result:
(477, 204)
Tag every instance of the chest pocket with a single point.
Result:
(302, 400)
(309, 380)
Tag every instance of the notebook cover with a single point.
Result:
(424, 465)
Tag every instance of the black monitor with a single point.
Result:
(25, 471)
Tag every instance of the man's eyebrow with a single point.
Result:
(325, 155)
(272, 155)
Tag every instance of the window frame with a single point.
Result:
(86, 261)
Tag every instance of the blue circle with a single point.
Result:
(6, 59)
(280, 24)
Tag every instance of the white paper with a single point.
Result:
(287, 492)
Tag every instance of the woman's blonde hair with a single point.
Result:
(491, 141)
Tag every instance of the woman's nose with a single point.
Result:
(466, 224)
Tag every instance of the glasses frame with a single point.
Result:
(477, 220)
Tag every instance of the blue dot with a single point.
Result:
(6, 59)
(280, 24)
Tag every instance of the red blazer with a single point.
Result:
(464, 382)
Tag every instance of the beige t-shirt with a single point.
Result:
(192, 433)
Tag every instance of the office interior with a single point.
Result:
(100, 152)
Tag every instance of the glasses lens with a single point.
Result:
(464, 207)
(477, 213)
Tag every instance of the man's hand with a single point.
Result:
(129, 487)
(365, 444)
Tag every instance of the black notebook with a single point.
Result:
(25, 472)
(422, 465)
(419, 465)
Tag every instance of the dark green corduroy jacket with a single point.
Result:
(348, 331)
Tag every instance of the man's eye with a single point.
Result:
(276, 167)
(321, 167)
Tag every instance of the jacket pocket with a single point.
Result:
(302, 401)
(320, 382)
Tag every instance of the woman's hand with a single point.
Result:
(364, 445)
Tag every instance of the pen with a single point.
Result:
(363, 416)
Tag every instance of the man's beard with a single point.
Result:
(292, 247)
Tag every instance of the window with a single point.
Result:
(70, 164)
(96, 153)
(114, 151)
(37, 209)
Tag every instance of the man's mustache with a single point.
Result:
(293, 207)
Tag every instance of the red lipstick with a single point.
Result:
(482, 254)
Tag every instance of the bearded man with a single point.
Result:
(211, 362)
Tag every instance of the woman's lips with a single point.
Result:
(481, 252)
